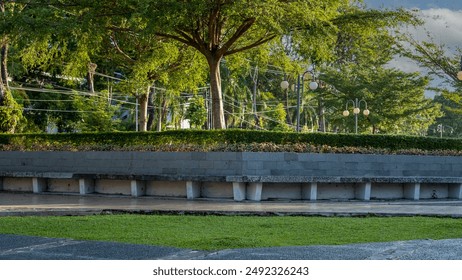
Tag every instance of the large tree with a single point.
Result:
(218, 28)
(395, 99)
(147, 62)
(141, 32)
(10, 112)
(144, 57)
(442, 64)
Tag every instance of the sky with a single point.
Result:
(443, 20)
(421, 4)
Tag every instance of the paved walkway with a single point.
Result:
(54, 204)
(14, 247)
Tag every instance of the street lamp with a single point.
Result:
(356, 110)
(300, 80)
(441, 128)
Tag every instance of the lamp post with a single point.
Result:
(356, 110)
(441, 128)
(300, 80)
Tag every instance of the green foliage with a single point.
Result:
(10, 114)
(277, 119)
(99, 113)
(396, 99)
(451, 121)
(197, 112)
(239, 140)
(168, 43)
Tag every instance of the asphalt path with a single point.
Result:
(18, 247)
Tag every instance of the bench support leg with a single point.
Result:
(254, 191)
(455, 191)
(86, 186)
(412, 191)
(193, 190)
(310, 191)
(138, 188)
(363, 191)
(39, 185)
(239, 190)
(1, 184)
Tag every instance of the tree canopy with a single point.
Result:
(234, 53)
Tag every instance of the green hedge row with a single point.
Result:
(201, 137)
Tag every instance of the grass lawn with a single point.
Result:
(222, 232)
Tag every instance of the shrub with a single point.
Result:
(226, 140)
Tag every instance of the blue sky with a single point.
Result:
(443, 21)
(421, 4)
(443, 18)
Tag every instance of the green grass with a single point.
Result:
(222, 232)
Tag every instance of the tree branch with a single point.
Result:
(176, 38)
(117, 47)
(238, 34)
(259, 42)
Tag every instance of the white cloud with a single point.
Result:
(444, 25)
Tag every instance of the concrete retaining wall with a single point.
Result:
(231, 163)
(213, 175)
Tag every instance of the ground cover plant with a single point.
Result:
(222, 232)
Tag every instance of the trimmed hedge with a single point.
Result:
(128, 140)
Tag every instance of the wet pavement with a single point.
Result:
(55, 204)
(15, 247)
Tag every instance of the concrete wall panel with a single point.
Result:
(336, 191)
(387, 191)
(122, 187)
(217, 190)
(63, 185)
(166, 188)
(281, 191)
(17, 184)
(434, 191)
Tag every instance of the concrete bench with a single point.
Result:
(251, 187)
(86, 183)
(239, 188)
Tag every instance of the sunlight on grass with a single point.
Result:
(222, 232)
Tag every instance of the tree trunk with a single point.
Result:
(4, 55)
(3, 61)
(151, 109)
(321, 119)
(159, 113)
(3, 70)
(90, 77)
(2, 92)
(144, 110)
(218, 115)
(163, 112)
